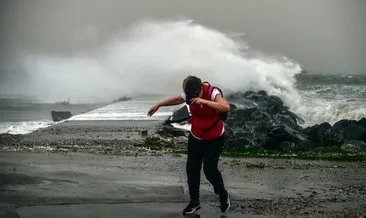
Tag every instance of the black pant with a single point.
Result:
(209, 151)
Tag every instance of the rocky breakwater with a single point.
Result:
(259, 120)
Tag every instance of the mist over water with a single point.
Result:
(153, 57)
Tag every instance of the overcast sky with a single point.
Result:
(322, 35)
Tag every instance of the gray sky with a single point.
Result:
(323, 35)
(63, 39)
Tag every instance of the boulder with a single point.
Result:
(60, 115)
(180, 115)
(287, 146)
(260, 100)
(170, 131)
(362, 122)
(316, 133)
(354, 146)
(348, 130)
(144, 132)
(283, 133)
(262, 121)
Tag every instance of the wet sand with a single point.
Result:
(258, 186)
(55, 181)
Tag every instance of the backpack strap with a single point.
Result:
(210, 90)
(219, 90)
(207, 92)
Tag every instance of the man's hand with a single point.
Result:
(199, 101)
(153, 109)
(220, 104)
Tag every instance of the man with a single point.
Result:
(206, 139)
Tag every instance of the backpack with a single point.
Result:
(183, 114)
(223, 116)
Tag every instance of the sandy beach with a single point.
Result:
(78, 168)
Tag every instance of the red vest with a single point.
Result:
(206, 123)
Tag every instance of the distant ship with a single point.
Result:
(63, 102)
(124, 98)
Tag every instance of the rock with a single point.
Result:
(144, 132)
(158, 142)
(60, 115)
(170, 131)
(347, 130)
(362, 122)
(238, 142)
(354, 146)
(355, 132)
(349, 147)
(243, 117)
(260, 100)
(287, 146)
(341, 124)
(288, 118)
(262, 121)
(265, 102)
(182, 114)
(233, 106)
(316, 133)
(283, 133)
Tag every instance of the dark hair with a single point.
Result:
(192, 87)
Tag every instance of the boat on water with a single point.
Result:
(124, 98)
(63, 102)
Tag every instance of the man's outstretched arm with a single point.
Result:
(175, 100)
